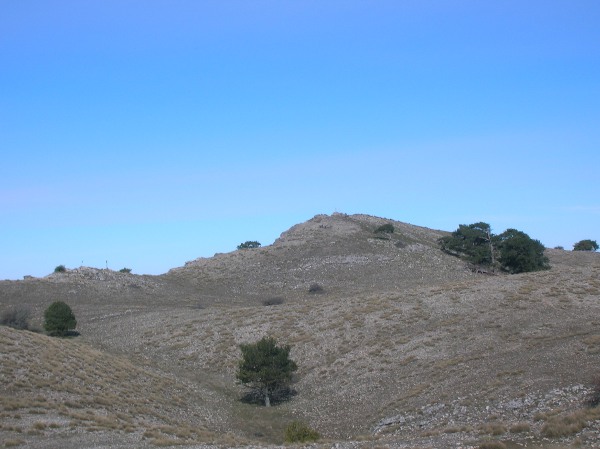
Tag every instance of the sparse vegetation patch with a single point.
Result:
(17, 317)
(387, 228)
(299, 432)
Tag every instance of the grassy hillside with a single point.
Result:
(404, 345)
(64, 387)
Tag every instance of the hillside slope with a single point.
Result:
(63, 388)
(405, 346)
(463, 353)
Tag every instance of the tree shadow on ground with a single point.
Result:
(256, 398)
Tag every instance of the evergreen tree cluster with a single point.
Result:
(250, 244)
(586, 245)
(512, 251)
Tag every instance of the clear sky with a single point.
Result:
(143, 134)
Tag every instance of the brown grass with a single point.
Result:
(569, 424)
(493, 428)
(520, 427)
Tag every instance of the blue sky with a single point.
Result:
(143, 134)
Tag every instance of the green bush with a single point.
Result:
(125, 270)
(59, 319)
(387, 228)
(298, 432)
(60, 269)
(586, 245)
(17, 318)
(249, 245)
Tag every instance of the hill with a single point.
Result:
(404, 345)
(342, 254)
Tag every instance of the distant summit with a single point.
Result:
(341, 253)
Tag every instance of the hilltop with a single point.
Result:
(341, 253)
(404, 346)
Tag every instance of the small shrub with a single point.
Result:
(593, 399)
(17, 318)
(249, 245)
(559, 247)
(298, 432)
(59, 319)
(387, 228)
(493, 428)
(60, 269)
(315, 289)
(39, 425)
(125, 270)
(272, 302)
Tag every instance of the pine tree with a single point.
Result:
(266, 368)
(59, 319)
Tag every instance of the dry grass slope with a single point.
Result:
(56, 387)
